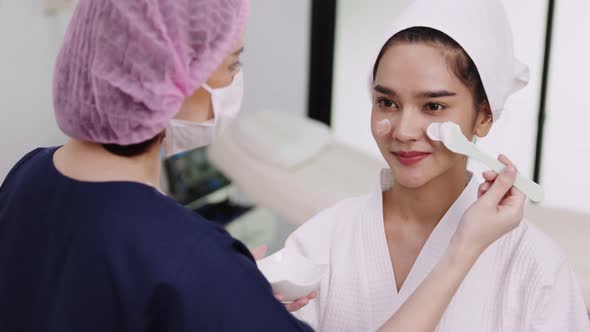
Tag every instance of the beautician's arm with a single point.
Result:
(498, 210)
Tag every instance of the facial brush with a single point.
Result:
(451, 136)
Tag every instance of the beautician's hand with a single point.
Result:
(299, 303)
(498, 210)
(259, 253)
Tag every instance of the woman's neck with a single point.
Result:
(90, 162)
(425, 205)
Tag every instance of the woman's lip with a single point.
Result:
(410, 154)
(410, 157)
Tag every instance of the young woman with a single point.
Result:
(444, 61)
(88, 243)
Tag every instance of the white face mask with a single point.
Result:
(183, 135)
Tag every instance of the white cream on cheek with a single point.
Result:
(442, 131)
(383, 127)
(433, 131)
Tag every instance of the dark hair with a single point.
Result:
(131, 150)
(458, 60)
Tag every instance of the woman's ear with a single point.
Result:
(484, 120)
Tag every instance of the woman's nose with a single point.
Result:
(407, 127)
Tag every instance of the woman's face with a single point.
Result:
(224, 74)
(414, 87)
(221, 78)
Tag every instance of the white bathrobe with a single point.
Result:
(522, 283)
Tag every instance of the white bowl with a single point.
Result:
(291, 274)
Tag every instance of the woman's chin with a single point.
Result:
(410, 178)
(411, 183)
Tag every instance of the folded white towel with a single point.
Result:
(282, 139)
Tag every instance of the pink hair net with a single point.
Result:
(126, 66)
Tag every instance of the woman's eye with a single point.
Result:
(235, 66)
(386, 103)
(434, 107)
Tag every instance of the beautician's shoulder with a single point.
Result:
(159, 226)
(185, 223)
(29, 158)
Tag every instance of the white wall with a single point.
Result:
(566, 152)
(276, 57)
(29, 43)
(360, 26)
(359, 29)
(276, 68)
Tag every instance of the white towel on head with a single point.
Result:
(481, 27)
